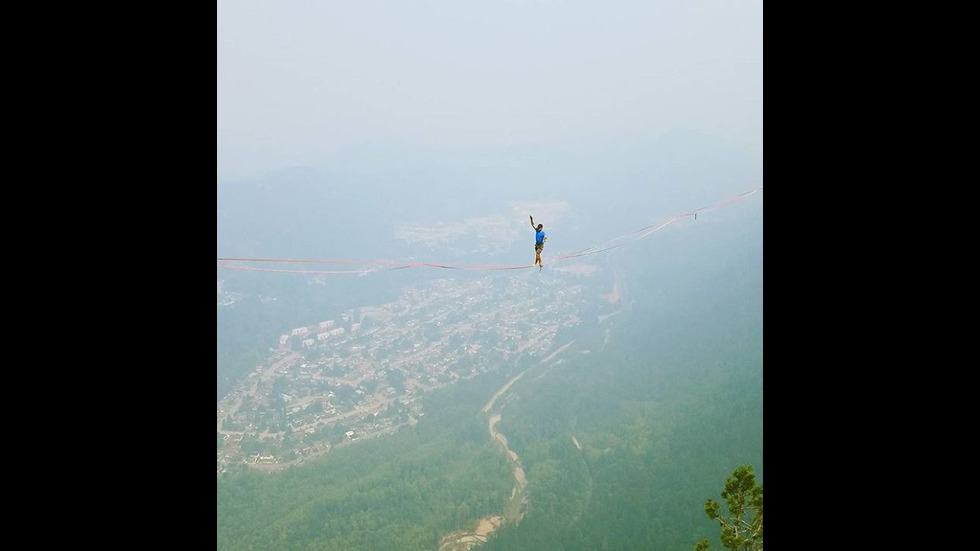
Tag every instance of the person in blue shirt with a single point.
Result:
(539, 238)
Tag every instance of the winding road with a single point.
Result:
(465, 540)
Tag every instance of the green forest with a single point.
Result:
(622, 440)
(662, 419)
(403, 491)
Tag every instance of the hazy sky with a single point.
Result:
(300, 81)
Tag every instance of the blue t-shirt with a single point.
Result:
(539, 236)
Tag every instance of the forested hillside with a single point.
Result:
(622, 439)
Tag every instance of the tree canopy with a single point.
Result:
(741, 528)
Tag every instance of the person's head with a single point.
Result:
(540, 227)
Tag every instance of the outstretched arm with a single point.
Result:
(532, 223)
